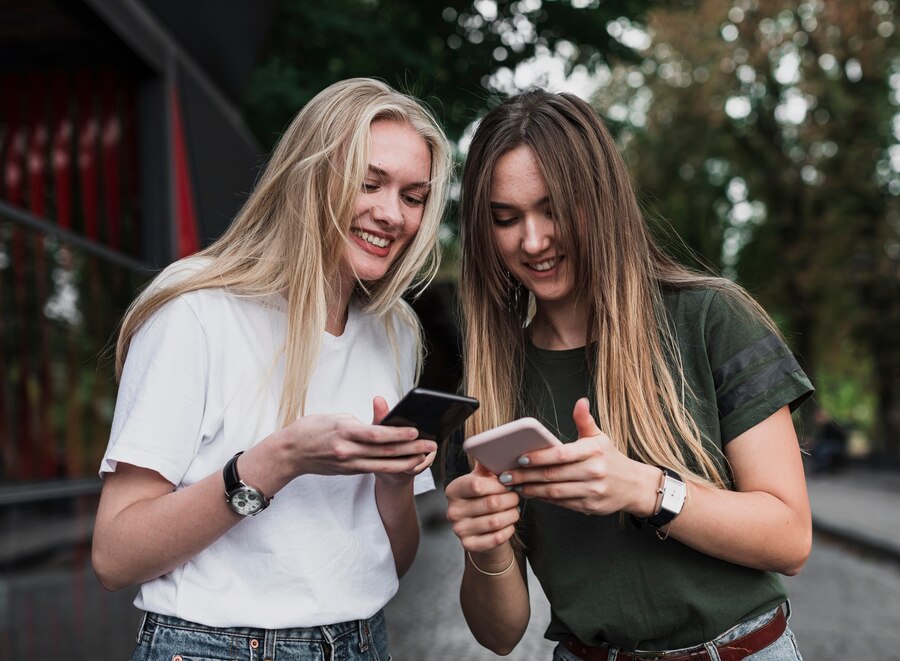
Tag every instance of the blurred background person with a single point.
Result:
(829, 443)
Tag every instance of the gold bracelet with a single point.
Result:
(491, 573)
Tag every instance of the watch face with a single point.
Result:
(674, 494)
(247, 501)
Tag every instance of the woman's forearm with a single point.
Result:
(145, 528)
(496, 604)
(397, 507)
(157, 530)
(753, 529)
(765, 524)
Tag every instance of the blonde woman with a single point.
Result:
(660, 525)
(246, 487)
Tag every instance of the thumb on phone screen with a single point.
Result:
(380, 409)
(584, 421)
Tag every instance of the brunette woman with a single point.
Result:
(661, 524)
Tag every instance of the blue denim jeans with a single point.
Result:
(783, 649)
(164, 638)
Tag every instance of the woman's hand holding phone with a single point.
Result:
(433, 413)
(380, 410)
(398, 444)
(589, 475)
(483, 513)
(499, 449)
(343, 445)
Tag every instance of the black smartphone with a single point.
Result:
(435, 414)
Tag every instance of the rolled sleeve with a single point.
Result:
(754, 372)
(162, 395)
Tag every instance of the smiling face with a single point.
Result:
(525, 231)
(391, 201)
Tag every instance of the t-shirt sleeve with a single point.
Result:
(162, 395)
(423, 482)
(754, 372)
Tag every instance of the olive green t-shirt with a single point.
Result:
(610, 581)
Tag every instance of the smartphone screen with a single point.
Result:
(435, 414)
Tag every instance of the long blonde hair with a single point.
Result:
(620, 272)
(290, 236)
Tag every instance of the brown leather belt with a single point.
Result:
(736, 650)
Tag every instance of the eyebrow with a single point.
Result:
(382, 174)
(506, 205)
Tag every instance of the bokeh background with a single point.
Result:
(762, 137)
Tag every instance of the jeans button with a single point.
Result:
(254, 643)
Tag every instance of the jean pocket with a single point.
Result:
(172, 643)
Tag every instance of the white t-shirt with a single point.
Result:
(203, 381)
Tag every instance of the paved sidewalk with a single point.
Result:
(860, 506)
(425, 620)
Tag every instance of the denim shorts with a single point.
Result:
(783, 649)
(164, 638)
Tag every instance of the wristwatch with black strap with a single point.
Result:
(674, 492)
(243, 499)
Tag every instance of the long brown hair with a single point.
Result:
(290, 235)
(619, 275)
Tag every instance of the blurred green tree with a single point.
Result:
(444, 52)
(454, 54)
(766, 132)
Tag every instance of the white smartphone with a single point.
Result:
(499, 449)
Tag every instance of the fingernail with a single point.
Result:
(510, 488)
(524, 461)
(505, 478)
(517, 489)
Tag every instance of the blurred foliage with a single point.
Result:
(444, 52)
(58, 315)
(448, 53)
(764, 130)
(847, 395)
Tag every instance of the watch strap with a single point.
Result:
(234, 483)
(665, 514)
(230, 474)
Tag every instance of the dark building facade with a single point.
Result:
(121, 149)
